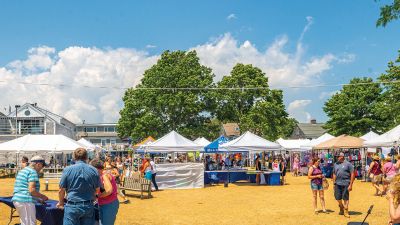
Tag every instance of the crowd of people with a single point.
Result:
(83, 186)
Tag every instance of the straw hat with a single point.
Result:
(375, 157)
(388, 159)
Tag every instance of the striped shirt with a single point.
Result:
(21, 186)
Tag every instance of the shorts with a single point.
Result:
(341, 192)
(316, 187)
(377, 178)
(388, 179)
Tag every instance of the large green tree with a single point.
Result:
(389, 105)
(247, 99)
(389, 13)
(353, 109)
(159, 104)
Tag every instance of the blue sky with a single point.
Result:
(343, 31)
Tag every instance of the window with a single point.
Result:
(90, 129)
(35, 126)
(109, 129)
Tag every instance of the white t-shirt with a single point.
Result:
(153, 167)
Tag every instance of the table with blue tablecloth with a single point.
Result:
(47, 213)
(215, 177)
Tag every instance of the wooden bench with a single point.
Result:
(136, 183)
(51, 178)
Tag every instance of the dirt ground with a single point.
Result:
(240, 203)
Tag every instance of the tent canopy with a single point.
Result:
(314, 142)
(41, 143)
(250, 142)
(343, 141)
(88, 145)
(214, 146)
(173, 142)
(292, 144)
(387, 139)
(202, 141)
(369, 136)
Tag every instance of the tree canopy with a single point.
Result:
(258, 110)
(159, 104)
(164, 107)
(389, 13)
(353, 109)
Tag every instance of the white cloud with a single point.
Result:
(231, 16)
(297, 110)
(151, 46)
(75, 67)
(283, 68)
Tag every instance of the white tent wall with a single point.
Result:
(180, 176)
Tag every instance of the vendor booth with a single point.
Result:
(248, 143)
(388, 139)
(177, 175)
(202, 141)
(328, 152)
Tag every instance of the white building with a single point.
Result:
(32, 119)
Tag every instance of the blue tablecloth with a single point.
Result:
(48, 214)
(222, 176)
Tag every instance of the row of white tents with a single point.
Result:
(46, 143)
(174, 142)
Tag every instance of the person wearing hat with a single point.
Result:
(26, 191)
(343, 178)
(389, 171)
(375, 174)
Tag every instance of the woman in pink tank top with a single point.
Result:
(108, 200)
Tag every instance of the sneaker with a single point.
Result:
(341, 212)
(346, 213)
(126, 201)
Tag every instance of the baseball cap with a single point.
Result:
(38, 159)
(341, 154)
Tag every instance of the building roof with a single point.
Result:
(2, 114)
(95, 124)
(231, 129)
(312, 130)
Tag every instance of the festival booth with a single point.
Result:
(247, 143)
(388, 139)
(177, 175)
(294, 147)
(306, 151)
(57, 145)
(328, 152)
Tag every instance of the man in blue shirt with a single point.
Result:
(343, 178)
(80, 182)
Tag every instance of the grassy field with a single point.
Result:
(240, 203)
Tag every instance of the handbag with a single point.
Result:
(148, 175)
(371, 176)
(325, 184)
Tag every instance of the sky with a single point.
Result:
(71, 45)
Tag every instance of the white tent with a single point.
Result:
(314, 142)
(250, 142)
(41, 143)
(88, 145)
(292, 145)
(202, 141)
(369, 136)
(173, 142)
(387, 139)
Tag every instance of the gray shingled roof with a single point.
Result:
(312, 130)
